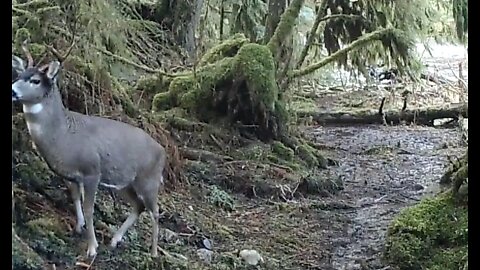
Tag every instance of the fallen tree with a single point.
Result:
(421, 116)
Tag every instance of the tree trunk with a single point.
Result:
(275, 10)
(186, 18)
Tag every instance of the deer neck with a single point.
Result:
(47, 120)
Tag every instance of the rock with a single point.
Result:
(250, 256)
(205, 255)
(418, 187)
(169, 235)
(207, 243)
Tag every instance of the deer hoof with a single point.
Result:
(115, 242)
(92, 251)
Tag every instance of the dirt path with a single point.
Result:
(384, 170)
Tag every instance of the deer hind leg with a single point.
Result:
(76, 193)
(129, 194)
(147, 191)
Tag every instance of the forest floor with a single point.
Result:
(242, 204)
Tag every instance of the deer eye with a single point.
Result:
(35, 81)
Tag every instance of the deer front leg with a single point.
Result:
(75, 191)
(90, 187)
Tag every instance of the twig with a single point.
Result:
(215, 140)
(409, 197)
(381, 198)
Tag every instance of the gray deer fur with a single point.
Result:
(88, 151)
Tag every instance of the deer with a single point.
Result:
(89, 151)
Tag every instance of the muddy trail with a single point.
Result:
(384, 169)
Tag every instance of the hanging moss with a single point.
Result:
(430, 235)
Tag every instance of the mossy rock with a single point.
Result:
(430, 235)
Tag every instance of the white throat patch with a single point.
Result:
(33, 109)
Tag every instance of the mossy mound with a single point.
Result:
(235, 79)
(430, 235)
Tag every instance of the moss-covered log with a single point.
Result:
(419, 116)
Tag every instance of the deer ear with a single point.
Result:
(53, 69)
(18, 64)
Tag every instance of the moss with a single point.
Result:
(21, 35)
(301, 104)
(162, 101)
(281, 111)
(47, 237)
(220, 198)
(227, 48)
(151, 84)
(45, 224)
(285, 26)
(24, 257)
(430, 235)
(36, 173)
(311, 156)
(195, 92)
(282, 151)
(181, 123)
(256, 152)
(202, 84)
(255, 63)
(320, 185)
